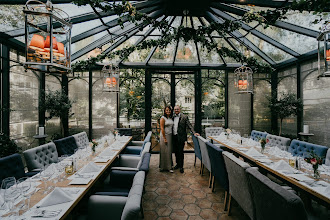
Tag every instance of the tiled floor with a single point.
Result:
(184, 196)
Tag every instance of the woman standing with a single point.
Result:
(166, 127)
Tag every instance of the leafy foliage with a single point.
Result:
(286, 106)
(7, 146)
(57, 103)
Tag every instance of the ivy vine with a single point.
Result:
(127, 12)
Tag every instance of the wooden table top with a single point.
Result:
(38, 196)
(279, 175)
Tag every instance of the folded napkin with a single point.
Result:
(90, 168)
(284, 167)
(107, 153)
(254, 153)
(80, 181)
(58, 196)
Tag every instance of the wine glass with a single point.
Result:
(11, 193)
(45, 176)
(5, 182)
(25, 185)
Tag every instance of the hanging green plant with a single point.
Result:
(7, 146)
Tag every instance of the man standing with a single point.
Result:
(181, 122)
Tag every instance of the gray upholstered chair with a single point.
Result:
(81, 139)
(281, 142)
(118, 207)
(213, 131)
(205, 157)
(327, 158)
(126, 162)
(273, 202)
(239, 187)
(141, 143)
(38, 157)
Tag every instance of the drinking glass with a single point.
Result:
(45, 176)
(5, 182)
(25, 185)
(11, 193)
(292, 161)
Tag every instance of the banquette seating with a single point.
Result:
(123, 202)
(256, 135)
(303, 149)
(38, 157)
(327, 158)
(66, 146)
(12, 166)
(282, 142)
(213, 131)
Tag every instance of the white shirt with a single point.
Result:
(176, 123)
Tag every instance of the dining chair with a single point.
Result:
(239, 187)
(138, 150)
(327, 158)
(12, 166)
(117, 206)
(38, 157)
(218, 167)
(81, 139)
(197, 150)
(213, 131)
(66, 146)
(125, 162)
(273, 202)
(205, 157)
(302, 149)
(134, 147)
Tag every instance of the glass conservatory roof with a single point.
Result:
(96, 32)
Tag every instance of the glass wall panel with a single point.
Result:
(213, 98)
(186, 53)
(79, 94)
(104, 108)
(53, 127)
(24, 91)
(261, 95)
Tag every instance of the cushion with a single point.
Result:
(302, 149)
(256, 135)
(197, 148)
(205, 155)
(66, 146)
(38, 157)
(327, 158)
(81, 139)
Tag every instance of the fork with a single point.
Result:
(46, 213)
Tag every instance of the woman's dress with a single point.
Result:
(165, 162)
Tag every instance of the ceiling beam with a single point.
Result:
(241, 39)
(80, 18)
(256, 33)
(22, 2)
(280, 24)
(106, 39)
(110, 24)
(197, 51)
(178, 65)
(150, 55)
(177, 44)
(262, 3)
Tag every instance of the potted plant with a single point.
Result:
(286, 106)
(315, 160)
(7, 146)
(57, 104)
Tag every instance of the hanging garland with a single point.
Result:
(127, 12)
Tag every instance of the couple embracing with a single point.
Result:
(173, 134)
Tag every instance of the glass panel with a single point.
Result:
(104, 108)
(223, 43)
(52, 127)
(186, 53)
(141, 55)
(24, 91)
(208, 57)
(11, 17)
(213, 99)
(79, 94)
(74, 10)
(164, 55)
(261, 112)
(305, 19)
(290, 39)
(273, 52)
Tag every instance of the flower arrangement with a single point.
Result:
(315, 160)
(263, 142)
(94, 143)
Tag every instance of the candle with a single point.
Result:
(41, 130)
(306, 129)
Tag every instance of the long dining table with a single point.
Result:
(302, 187)
(75, 191)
